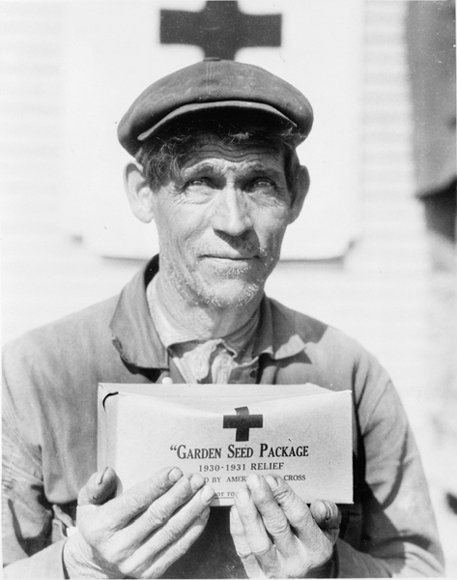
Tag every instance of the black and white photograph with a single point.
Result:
(228, 288)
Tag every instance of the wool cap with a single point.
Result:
(209, 85)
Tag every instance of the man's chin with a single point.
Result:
(230, 294)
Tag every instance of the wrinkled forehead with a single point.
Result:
(226, 135)
(233, 148)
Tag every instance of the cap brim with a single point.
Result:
(196, 107)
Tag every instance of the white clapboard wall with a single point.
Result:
(111, 51)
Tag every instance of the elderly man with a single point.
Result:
(217, 171)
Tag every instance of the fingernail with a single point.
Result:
(174, 475)
(328, 510)
(242, 495)
(325, 509)
(207, 494)
(321, 509)
(196, 482)
(205, 514)
(331, 511)
(272, 481)
(100, 476)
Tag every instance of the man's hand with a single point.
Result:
(276, 535)
(140, 533)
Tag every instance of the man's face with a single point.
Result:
(221, 223)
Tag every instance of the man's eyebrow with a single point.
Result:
(198, 167)
(266, 169)
(250, 168)
(258, 166)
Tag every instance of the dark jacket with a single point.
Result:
(51, 377)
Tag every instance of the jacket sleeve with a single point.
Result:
(398, 533)
(27, 517)
(45, 565)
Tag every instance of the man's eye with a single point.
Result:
(199, 182)
(199, 188)
(263, 182)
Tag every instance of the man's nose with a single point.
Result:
(231, 212)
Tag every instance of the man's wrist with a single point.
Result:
(77, 565)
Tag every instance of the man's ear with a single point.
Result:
(301, 189)
(138, 192)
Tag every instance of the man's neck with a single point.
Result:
(204, 321)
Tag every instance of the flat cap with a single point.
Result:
(214, 84)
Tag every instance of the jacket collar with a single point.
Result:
(134, 333)
(136, 338)
(277, 336)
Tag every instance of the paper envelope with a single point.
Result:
(226, 432)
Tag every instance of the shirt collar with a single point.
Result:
(137, 340)
(171, 332)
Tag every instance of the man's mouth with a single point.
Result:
(231, 257)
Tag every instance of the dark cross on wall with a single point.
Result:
(220, 29)
(242, 422)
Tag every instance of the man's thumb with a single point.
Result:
(100, 487)
(327, 516)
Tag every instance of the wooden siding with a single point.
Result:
(380, 293)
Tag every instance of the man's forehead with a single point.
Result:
(210, 147)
